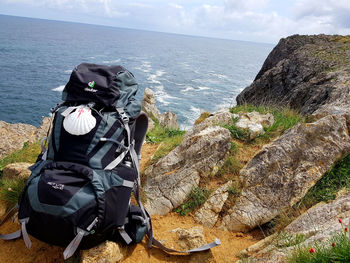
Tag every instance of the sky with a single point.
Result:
(249, 20)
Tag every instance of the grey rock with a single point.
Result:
(169, 120)
(171, 179)
(218, 118)
(283, 171)
(255, 122)
(149, 104)
(304, 73)
(209, 212)
(318, 224)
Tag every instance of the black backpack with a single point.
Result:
(79, 191)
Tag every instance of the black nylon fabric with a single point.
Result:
(105, 90)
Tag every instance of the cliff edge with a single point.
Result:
(306, 73)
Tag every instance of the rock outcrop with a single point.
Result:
(16, 170)
(172, 178)
(254, 122)
(167, 120)
(283, 171)
(107, 252)
(306, 73)
(13, 136)
(319, 223)
(209, 212)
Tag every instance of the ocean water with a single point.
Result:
(187, 74)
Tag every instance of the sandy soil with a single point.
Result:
(231, 243)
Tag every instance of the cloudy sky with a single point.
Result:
(251, 20)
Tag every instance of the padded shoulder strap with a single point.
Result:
(141, 127)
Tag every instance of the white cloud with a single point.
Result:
(256, 20)
(245, 5)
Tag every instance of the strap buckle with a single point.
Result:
(123, 115)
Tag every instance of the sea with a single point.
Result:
(187, 74)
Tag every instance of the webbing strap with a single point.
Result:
(125, 236)
(129, 184)
(157, 244)
(116, 161)
(26, 238)
(11, 236)
(74, 244)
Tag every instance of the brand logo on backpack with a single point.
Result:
(56, 186)
(91, 85)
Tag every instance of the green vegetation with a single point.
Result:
(285, 119)
(196, 198)
(169, 139)
(288, 240)
(201, 118)
(11, 189)
(336, 250)
(329, 185)
(28, 153)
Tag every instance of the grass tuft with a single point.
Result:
(196, 198)
(28, 153)
(330, 184)
(168, 139)
(11, 189)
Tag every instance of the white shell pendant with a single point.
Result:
(80, 121)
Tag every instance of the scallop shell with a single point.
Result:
(80, 121)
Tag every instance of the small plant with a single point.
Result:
(337, 249)
(238, 133)
(234, 190)
(196, 198)
(11, 189)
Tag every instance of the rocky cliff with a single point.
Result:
(307, 73)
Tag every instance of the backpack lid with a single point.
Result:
(94, 83)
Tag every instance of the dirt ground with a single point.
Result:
(231, 243)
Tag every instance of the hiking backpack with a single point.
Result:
(79, 191)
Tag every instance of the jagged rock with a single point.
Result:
(318, 224)
(172, 178)
(221, 117)
(169, 120)
(16, 170)
(149, 104)
(107, 252)
(255, 122)
(304, 73)
(283, 171)
(208, 214)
